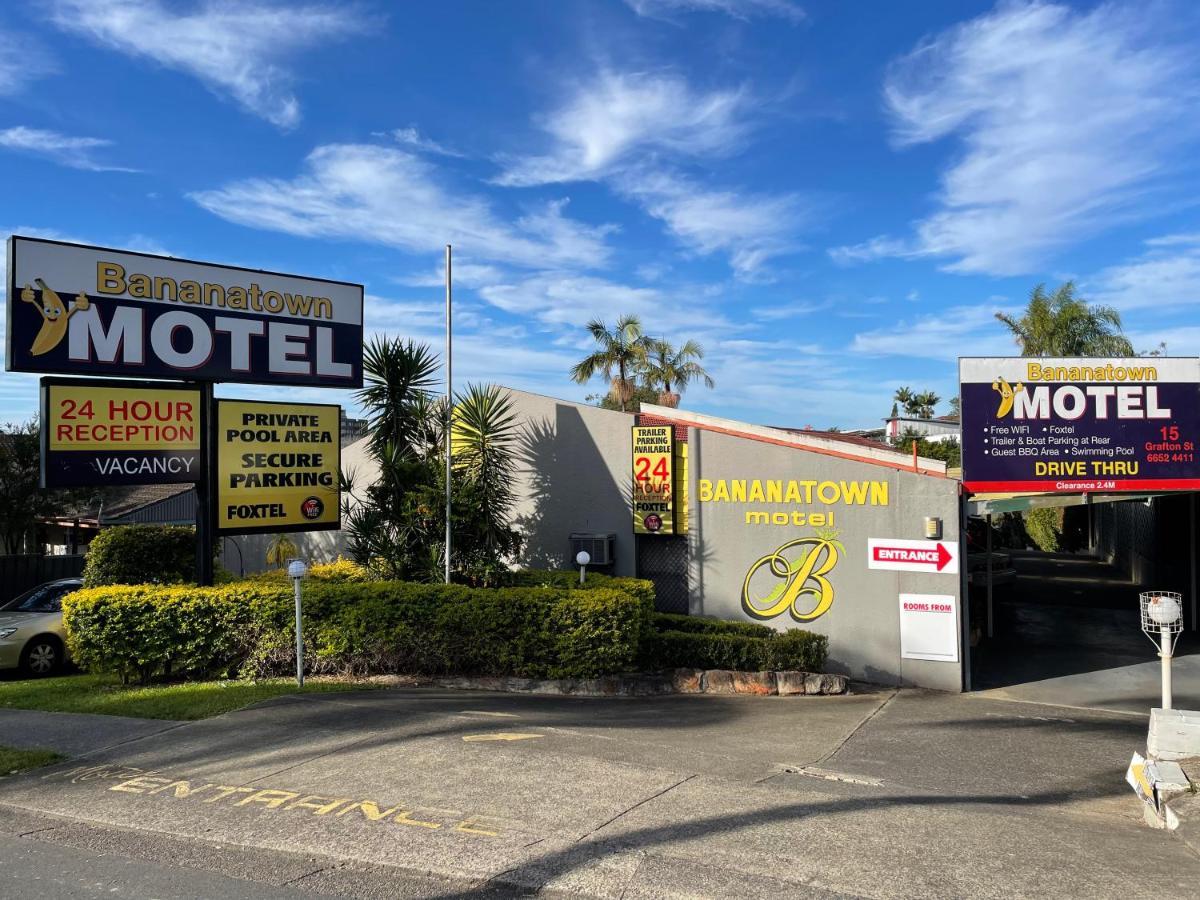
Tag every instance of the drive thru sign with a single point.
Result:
(912, 556)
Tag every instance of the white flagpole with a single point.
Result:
(449, 407)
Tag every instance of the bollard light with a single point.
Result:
(296, 570)
(1162, 621)
(582, 558)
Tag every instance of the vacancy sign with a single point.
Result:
(912, 556)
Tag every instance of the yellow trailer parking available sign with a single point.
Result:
(277, 466)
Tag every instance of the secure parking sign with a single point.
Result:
(277, 466)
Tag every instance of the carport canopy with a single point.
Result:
(994, 504)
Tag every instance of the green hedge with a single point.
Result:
(795, 649)
(146, 631)
(137, 554)
(706, 625)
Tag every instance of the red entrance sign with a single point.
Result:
(912, 556)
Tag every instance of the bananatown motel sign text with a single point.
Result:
(1080, 425)
(92, 311)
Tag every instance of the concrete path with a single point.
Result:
(73, 734)
(886, 794)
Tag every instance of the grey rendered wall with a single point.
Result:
(863, 623)
(573, 475)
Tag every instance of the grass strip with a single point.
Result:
(13, 760)
(105, 695)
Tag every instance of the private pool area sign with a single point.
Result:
(78, 309)
(1080, 425)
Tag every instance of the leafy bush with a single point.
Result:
(1043, 528)
(340, 571)
(144, 630)
(706, 625)
(141, 554)
(355, 628)
(729, 649)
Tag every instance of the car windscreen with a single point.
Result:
(44, 598)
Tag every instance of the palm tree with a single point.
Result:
(904, 396)
(1064, 324)
(398, 376)
(925, 403)
(621, 350)
(280, 550)
(665, 367)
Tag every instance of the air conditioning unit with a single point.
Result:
(600, 547)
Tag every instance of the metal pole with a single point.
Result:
(206, 489)
(1165, 631)
(1192, 555)
(990, 621)
(449, 404)
(299, 637)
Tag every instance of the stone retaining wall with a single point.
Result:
(681, 681)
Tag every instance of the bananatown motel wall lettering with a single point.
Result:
(107, 433)
(781, 535)
(796, 577)
(1079, 425)
(277, 466)
(75, 309)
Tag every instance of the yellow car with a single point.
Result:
(32, 637)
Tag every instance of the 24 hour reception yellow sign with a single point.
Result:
(277, 466)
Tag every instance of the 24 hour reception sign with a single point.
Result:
(277, 466)
(111, 433)
(1079, 425)
(76, 309)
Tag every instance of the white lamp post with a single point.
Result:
(1162, 621)
(296, 571)
(582, 558)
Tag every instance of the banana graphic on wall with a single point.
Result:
(55, 315)
(1007, 393)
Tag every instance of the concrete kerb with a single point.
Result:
(680, 681)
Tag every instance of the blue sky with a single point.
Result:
(834, 199)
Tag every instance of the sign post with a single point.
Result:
(87, 310)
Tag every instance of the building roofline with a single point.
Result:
(825, 446)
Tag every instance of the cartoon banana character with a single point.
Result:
(55, 315)
(1006, 392)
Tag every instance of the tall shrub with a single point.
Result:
(141, 554)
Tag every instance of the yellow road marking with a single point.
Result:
(484, 712)
(500, 736)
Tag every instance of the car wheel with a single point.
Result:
(42, 656)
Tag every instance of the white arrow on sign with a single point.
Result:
(912, 556)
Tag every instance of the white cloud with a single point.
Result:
(386, 196)
(751, 228)
(616, 115)
(412, 137)
(1165, 276)
(1067, 119)
(787, 310)
(739, 9)
(943, 336)
(235, 49)
(558, 299)
(876, 248)
(75, 152)
(22, 60)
